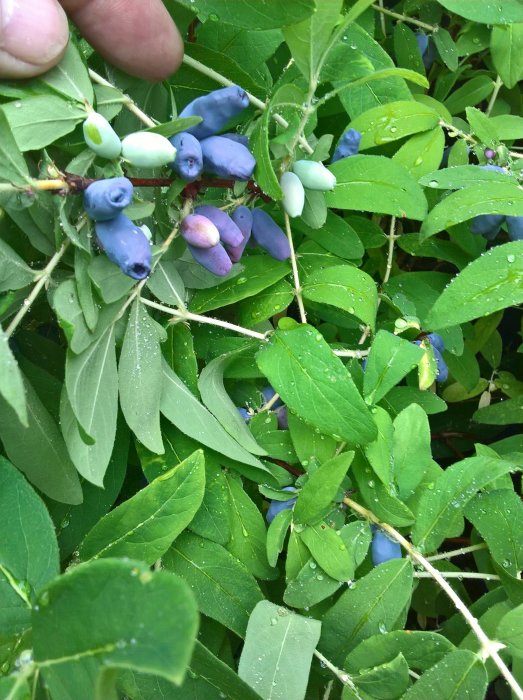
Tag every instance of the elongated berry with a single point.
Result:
(199, 231)
(230, 234)
(105, 199)
(189, 159)
(268, 393)
(216, 109)
(293, 194)
(383, 549)
(282, 417)
(227, 158)
(214, 259)
(314, 175)
(442, 370)
(242, 217)
(239, 138)
(269, 235)
(126, 245)
(487, 225)
(276, 507)
(244, 413)
(515, 227)
(100, 136)
(147, 149)
(348, 145)
(436, 341)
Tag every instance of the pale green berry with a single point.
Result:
(314, 176)
(147, 149)
(293, 194)
(100, 136)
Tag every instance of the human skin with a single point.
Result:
(137, 36)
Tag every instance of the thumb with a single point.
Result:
(33, 36)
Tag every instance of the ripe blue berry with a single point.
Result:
(269, 235)
(189, 159)
(126, 245)
(214, 259)
(487, 225)
(105, 199)
(242, 217)
(244, 413)
(348, 145)
(436, 341)
(239, 138)
(276, 507)
(227, 158)
(216, 109)
(382, 548)
(230, 234)
(443, 371)
(199, 232)
(268, 393)
(515, 227)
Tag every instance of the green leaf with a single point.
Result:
(472, 92)
(145, 525)
(174, 126)
(483, 127)
(447, 49)
(509, 631)
(311, 586)
(393, 121)
(166, 284)
(276, 535)
(387, 680)
(329, 550)
(28, 549)
(250, 14)
(411, 452)
(39, 450)
(490, 283)
(248, 533)
(460, 675)
(498, 517)
(265, 304)
(14, 272)
(378, 452)
(501, 12)
(140, 377)
(440, 512)
(38, 121)
(344, 287)
(215, 397)
(260, 271)
(461, 176)
(390, 359)
(375, 604)
(502, 413)
(308, 40)
(308, 443)
(223, 587)
(422, 153)
(13, 166)
(11, 381)
(14, 687)
(321, 390)
(278, 651)
(91, 379)
(336, 235)
(70, 77)
(320, 489)
(376, 184)
(182, 408)
(109, 280)
(158, 637)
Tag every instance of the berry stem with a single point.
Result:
(458, 575)
(127, 101)
(498, 84)
(295, 273)
(342, 676)
(457, 552)
(405, 18)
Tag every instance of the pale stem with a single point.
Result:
(14, 585)
(405, 18)
(457, 552)
(454, 131)
(128, 102)
(328, 689)
(382, 18)
(459, 575)
(489, 648)
(498, 84)
(270, 403)
(210, 73)
(343, 676)
(34, 185)
(44, 276)
(295, 273)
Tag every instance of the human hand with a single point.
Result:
(137, 36)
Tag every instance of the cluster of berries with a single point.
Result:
(125, 244)
(488, 225)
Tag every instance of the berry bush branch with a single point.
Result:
(489, 647)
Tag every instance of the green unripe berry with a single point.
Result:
(147, 149)
(100, 136)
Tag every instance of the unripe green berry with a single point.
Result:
(293, 194)
(147, 149)
(100, 136)
(314, 175)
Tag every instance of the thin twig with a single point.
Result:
(489, 647)
(44, 276)
(342, 676)
(457, 552)
(458, 575)
(296, 276)
(497, 87)
(127, 101)
(406, 18)
(454, 132)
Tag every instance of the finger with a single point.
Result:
(33, 37)
(137, 36)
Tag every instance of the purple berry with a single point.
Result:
(382, 548)
(515, 227)
(276, 507)
(269, 235)
(348, 145)
(282, 417)
(216, 109)
(242, 217)
(227, 158)
(199, 232)
(126, 245)
(105, 199)
(230, 234)
(489, 153)
(214, 259)
(189, 159)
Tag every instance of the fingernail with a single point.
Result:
(33, 35)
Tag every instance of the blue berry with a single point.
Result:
(216, 109)
(268, 393)
(487, 225)
(276, 507)
(105, 199)
(239, 138)
(436, 341)
(515, 227)
(244, 413)
(126, 245)
(442, 369)
(227, 158)
(269, 235)
(189, 159)
(242, 217)
(229, 232)
(382, 548)
(214, 259)
(348, 145)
